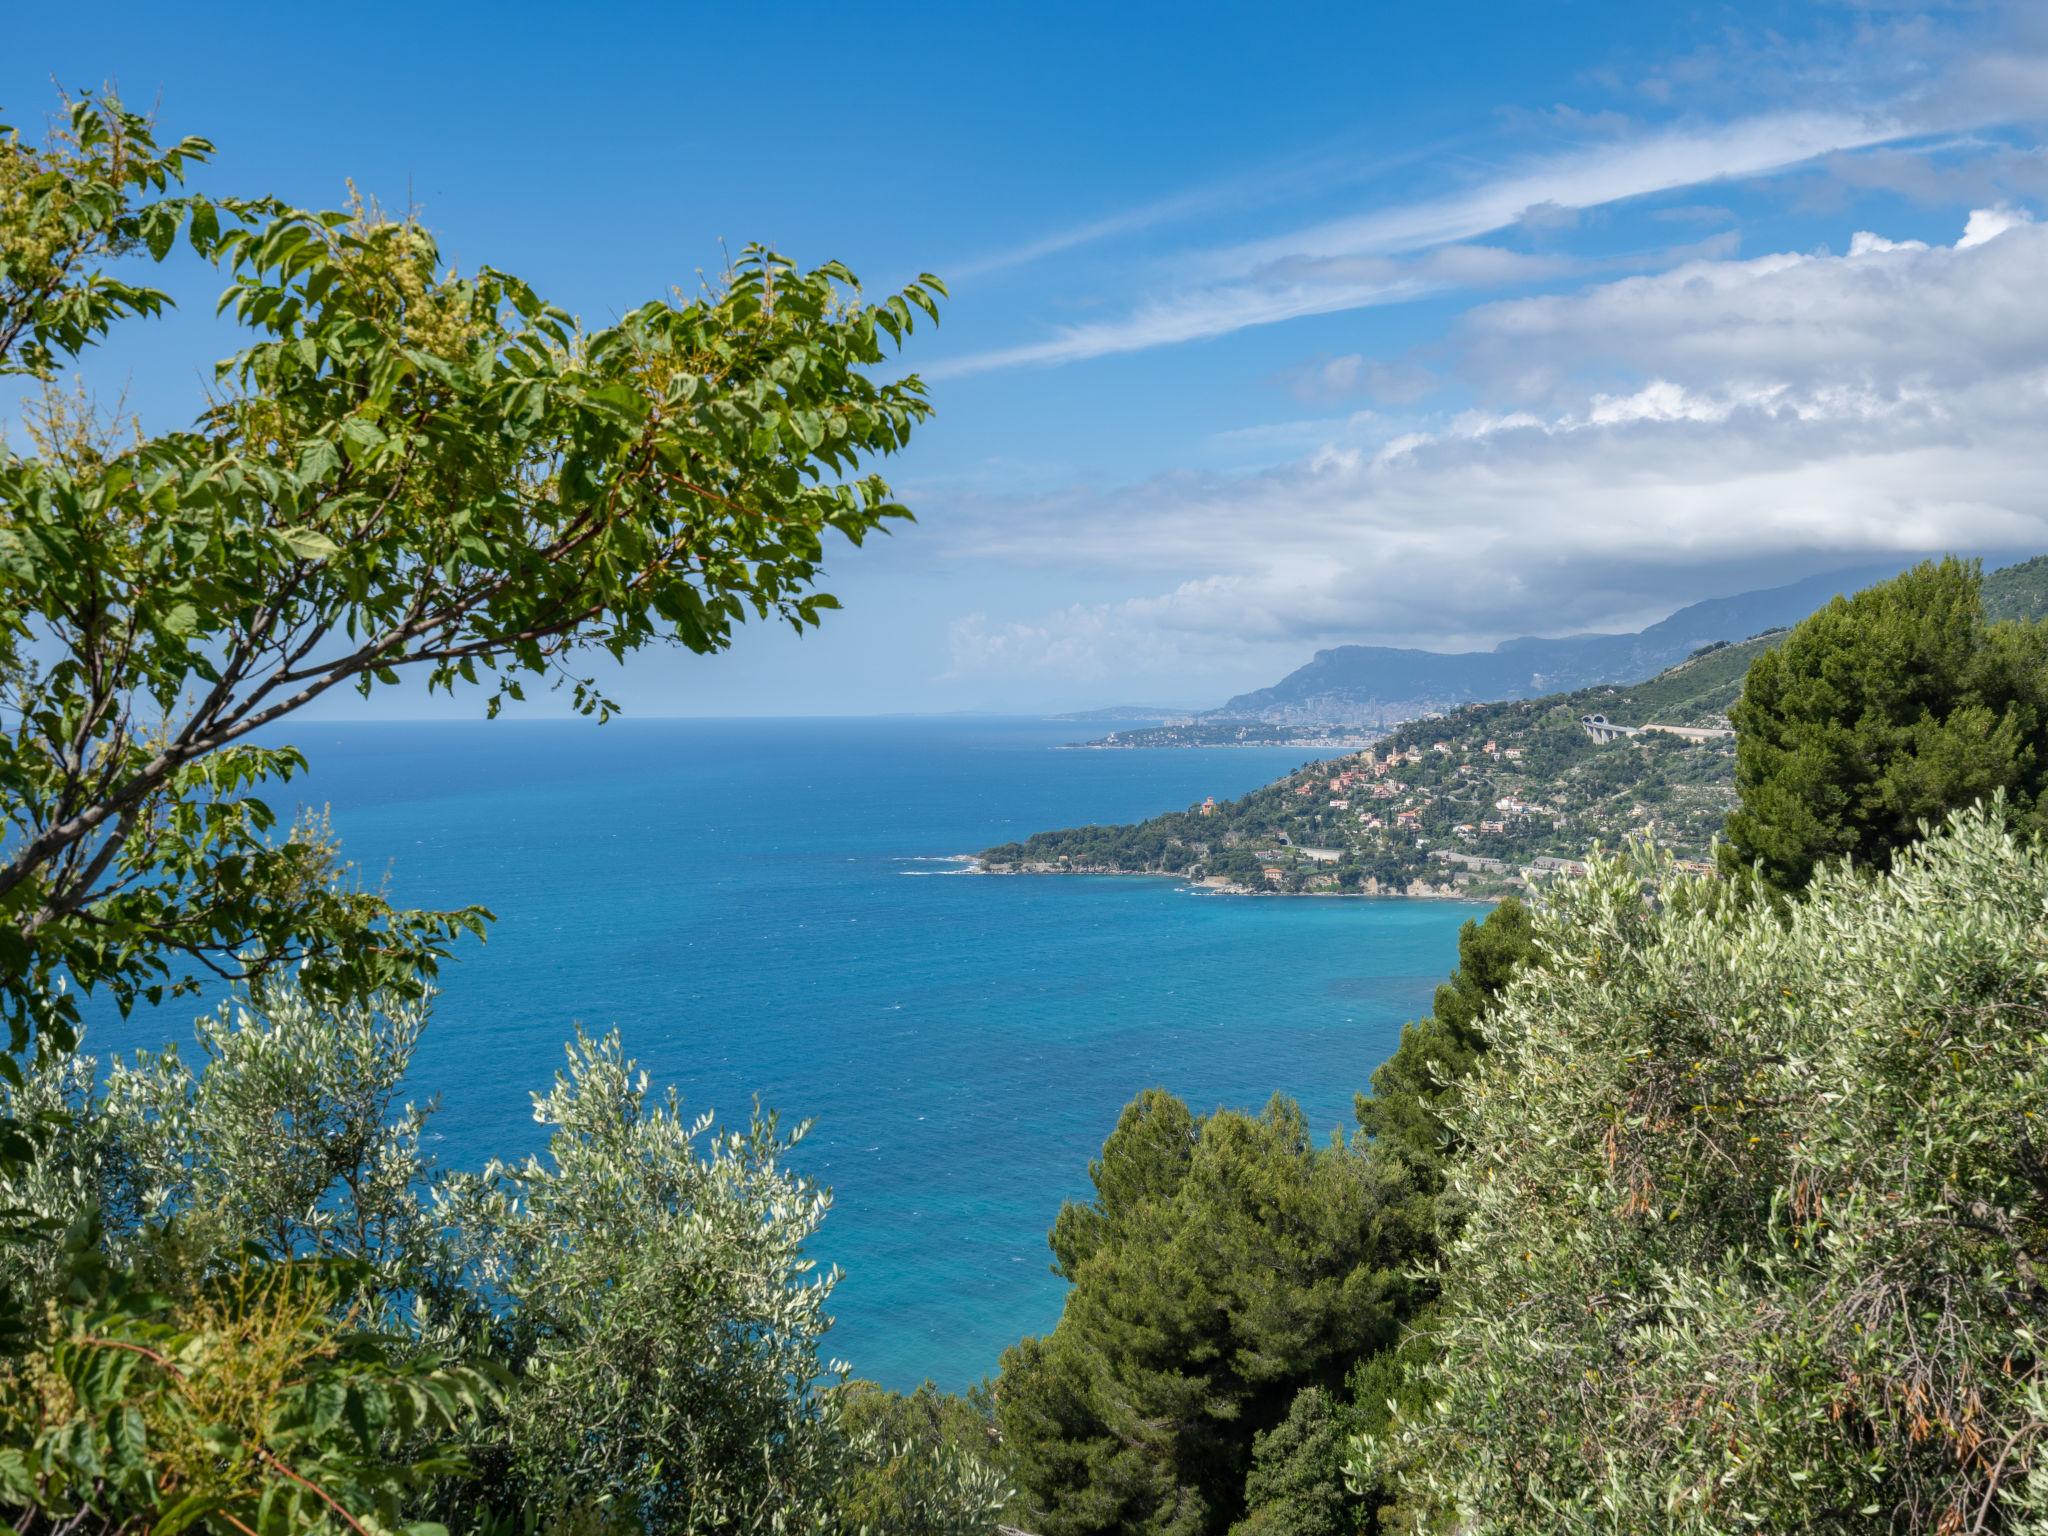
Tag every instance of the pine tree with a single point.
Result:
(1881, 712)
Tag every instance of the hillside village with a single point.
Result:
(1484, 801)
(1488, 799)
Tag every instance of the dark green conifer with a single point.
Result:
(1880, 713)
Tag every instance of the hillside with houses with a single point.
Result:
(1485, 800)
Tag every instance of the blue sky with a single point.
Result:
(1272, 327)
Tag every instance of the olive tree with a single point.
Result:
(283, 1131)
(1756, 1212)
(650, 1289)
(633, 1306)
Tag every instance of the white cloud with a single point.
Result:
(1989, 223)
(1760, 418)
(1269, 184)
(1890, 314)
(1864, 243)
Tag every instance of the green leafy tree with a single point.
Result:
(1755, 1212)
(406, 469)
(1200, 1378)
(1880, 712)
(925, 1461)
(1296, 1486)
(1225, 1263)
(1402, 1113)
(70, 208)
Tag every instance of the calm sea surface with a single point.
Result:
(763, 908)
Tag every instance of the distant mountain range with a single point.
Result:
(1370, 684)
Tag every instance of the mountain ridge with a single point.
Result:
(1367, 683)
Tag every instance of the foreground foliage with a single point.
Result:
(927, 1461)
(1756, 1212)
(1243, 1299)
(646, 1283)
(1225, 1263)
(274, 1313)
(253, 1403)
(620, 1332)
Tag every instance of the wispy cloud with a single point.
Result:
(1350, 263)
(1591, 177)
(1270, 184)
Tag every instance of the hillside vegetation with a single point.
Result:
(1695, 1205)
(2018, 591)
(1486, 799)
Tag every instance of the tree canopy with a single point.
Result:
(1244, 1301)
(238, 1295)
(406, 469)
(1883, 711)
(1225, 1263)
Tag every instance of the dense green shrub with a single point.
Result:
(250, 1402)
(1755, 1213)
(926, 1461)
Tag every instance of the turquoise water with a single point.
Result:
(764, 908)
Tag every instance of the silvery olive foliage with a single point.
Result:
(1756, 1212)
(621, 1331)
(648, 1284)
(290, 1137)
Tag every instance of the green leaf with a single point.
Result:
(187, 1512)
(127, 1437)
(318, 459)
(204, 229)
(308, 544)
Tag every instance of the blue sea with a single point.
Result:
(775, 909)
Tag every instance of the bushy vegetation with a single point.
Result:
(1242, 1299)
(1722, 1203)
(1753, 1212)
(1225, 1264)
